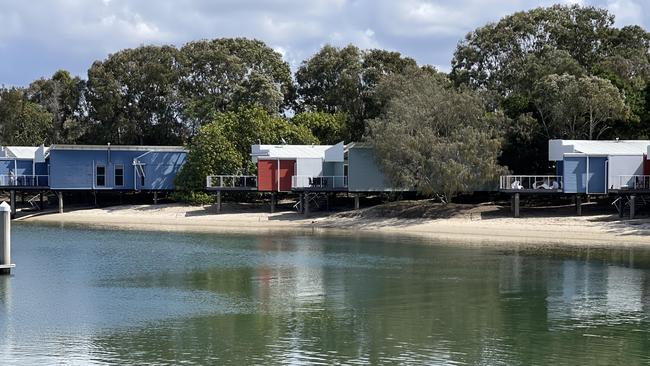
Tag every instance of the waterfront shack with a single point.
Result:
(286, 168)
(598, 167)
(114, 167)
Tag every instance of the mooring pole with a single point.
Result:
(5, 239)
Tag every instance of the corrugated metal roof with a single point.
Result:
(289, 151)
(607, 147)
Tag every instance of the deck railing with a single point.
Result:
(634, 182)
(530, 182)
(319, 182)
(232, 181)
(11, 180)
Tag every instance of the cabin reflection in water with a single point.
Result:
(580, 292)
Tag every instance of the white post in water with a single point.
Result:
(5, 239)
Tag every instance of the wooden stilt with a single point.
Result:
(579, 205)
(155, 198)
(41, 200)
(218, 201)
(356, 201)
(273, 202)
(515, 202)
(306, 200)
(632, 206)
(60, 195)
(12, 203)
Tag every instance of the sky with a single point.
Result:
(38, 37)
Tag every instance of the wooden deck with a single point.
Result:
(532, 191)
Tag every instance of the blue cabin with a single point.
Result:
(91, 167)
(118, 168)
(598, 167)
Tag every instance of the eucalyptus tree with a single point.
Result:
(225, 74)
(23, 122)
(343, 80)
(577, 107)
(133, 97)
(62, 95)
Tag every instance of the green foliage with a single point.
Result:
(222, 147)
(23, 122)
(61, 95)
(577, 108)
(328, 128)
(228, 73)
(436, 138)
(343, 80)
(133, 97)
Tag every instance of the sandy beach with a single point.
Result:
(472, 224)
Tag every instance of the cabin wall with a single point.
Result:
(75, 169)
(310, 167)
(333, 169)
(364, 174)
(575, 178)
(624, 165)
(160, 169)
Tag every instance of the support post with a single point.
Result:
(273, 202)
(621, 206)
(5, 239)
(218, 201)
(60, 195)
(632, 206)
(306, 201)
(578, 205)
(42, 201)
(155, 198)
(12, 200)
(356, 201)
(515, 204)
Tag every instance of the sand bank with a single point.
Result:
(488, 224)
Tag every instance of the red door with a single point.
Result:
(287, 171)
(267, 180)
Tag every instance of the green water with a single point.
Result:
(83, 296)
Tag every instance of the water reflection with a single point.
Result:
(315, 299)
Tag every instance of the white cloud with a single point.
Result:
(38, 37)
(627, 11)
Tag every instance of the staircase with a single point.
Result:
(316, 201)
(35, 203)
(622, 204)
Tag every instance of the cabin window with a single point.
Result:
(100, 176)
(119, 175)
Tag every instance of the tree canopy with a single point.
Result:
(434, 137)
